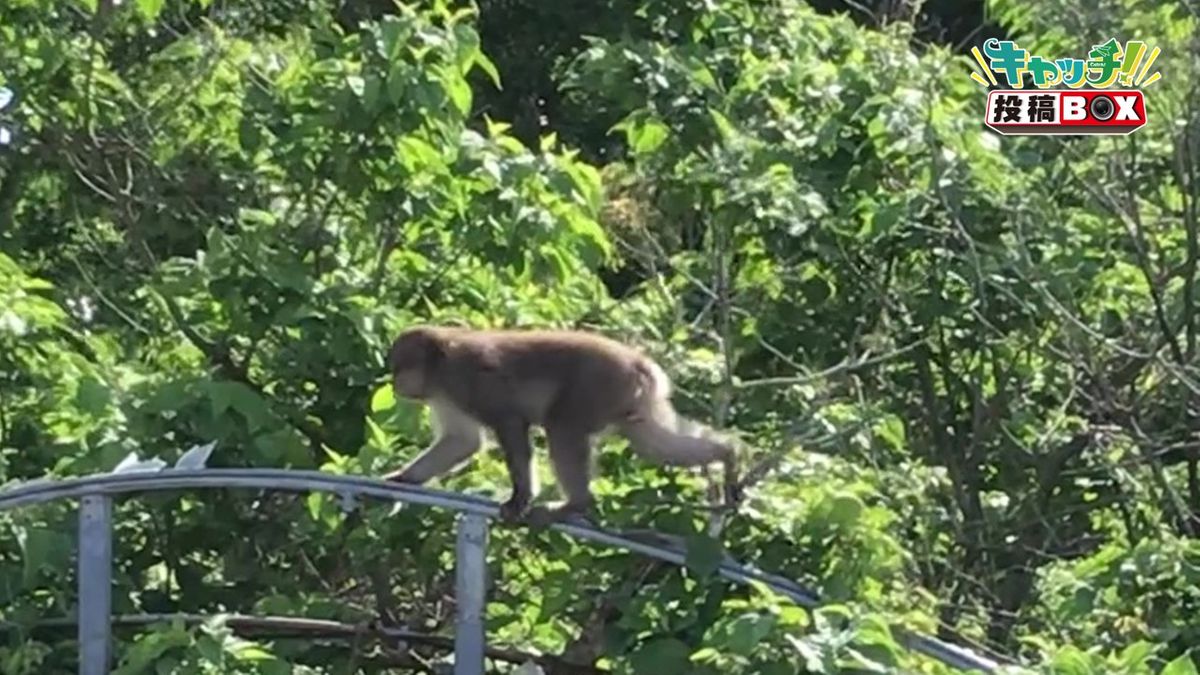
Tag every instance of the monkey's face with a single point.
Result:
(410, 383)
(411, 360)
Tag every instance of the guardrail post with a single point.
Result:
(95, 584)
(470, 581)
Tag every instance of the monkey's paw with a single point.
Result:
(397, 476)
(541, 517)
(735, 493)
(513, 510)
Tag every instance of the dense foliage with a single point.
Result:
(965, 367)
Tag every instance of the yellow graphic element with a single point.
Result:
(982, 64)
(1130, 60)
(1146, 68)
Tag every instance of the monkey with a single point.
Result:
(573, 384)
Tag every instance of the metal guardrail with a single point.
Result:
(95, 551)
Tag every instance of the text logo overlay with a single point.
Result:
(1102, 94)
(6, 97)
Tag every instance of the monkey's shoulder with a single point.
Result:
(569, 343)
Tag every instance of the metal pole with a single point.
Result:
(470, 591)
(95, 584)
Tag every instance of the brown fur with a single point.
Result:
(573, 384)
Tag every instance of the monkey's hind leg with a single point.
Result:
(518, 456)
(570, 456)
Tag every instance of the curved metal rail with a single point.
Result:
(95, 550)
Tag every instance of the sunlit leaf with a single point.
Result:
(383, 398)
(646, 136)
(1184, 664)
(150, 8)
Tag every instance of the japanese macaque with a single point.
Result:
(572, 384)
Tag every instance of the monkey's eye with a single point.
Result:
(399, 360)
(406, 366)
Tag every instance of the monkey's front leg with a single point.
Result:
(513, 438)
(445, 453)
(457, 437)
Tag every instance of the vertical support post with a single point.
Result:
(95, 584)
(470, 577)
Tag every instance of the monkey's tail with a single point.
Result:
(653, 400)
(658, 433)
(655, 382)
(691, 445)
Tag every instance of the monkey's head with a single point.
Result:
(412, 358)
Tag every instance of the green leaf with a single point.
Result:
(418, 154)
(587, 181)
(383, 398)
(210, 648)
(646, 136)
(457, 90)
(664, 655)
(399, 79)
(283, 447)
(1072, 661)
(390, 32)
(558, 591)
(488, 67)
(151, 649)
(356, 84)
(378, 439)
(150, 8)
(746, 631)
(724, 126)
(891, 431)
(251, 652)
(846, 509)
(315, 501)
(703, 554)
(1135, 655)
(275, 666)
(876, 128)
(1182, 665)
(92, 396)
(42, 548)
(371, 93)
(242, 399)
(701, 74)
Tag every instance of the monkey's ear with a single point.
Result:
(416, 347)
(433, 350)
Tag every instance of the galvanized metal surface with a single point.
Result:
(470, 587)
(306, 481)
(95, 584)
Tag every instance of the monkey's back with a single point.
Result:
(552, 354)
(540, 372)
